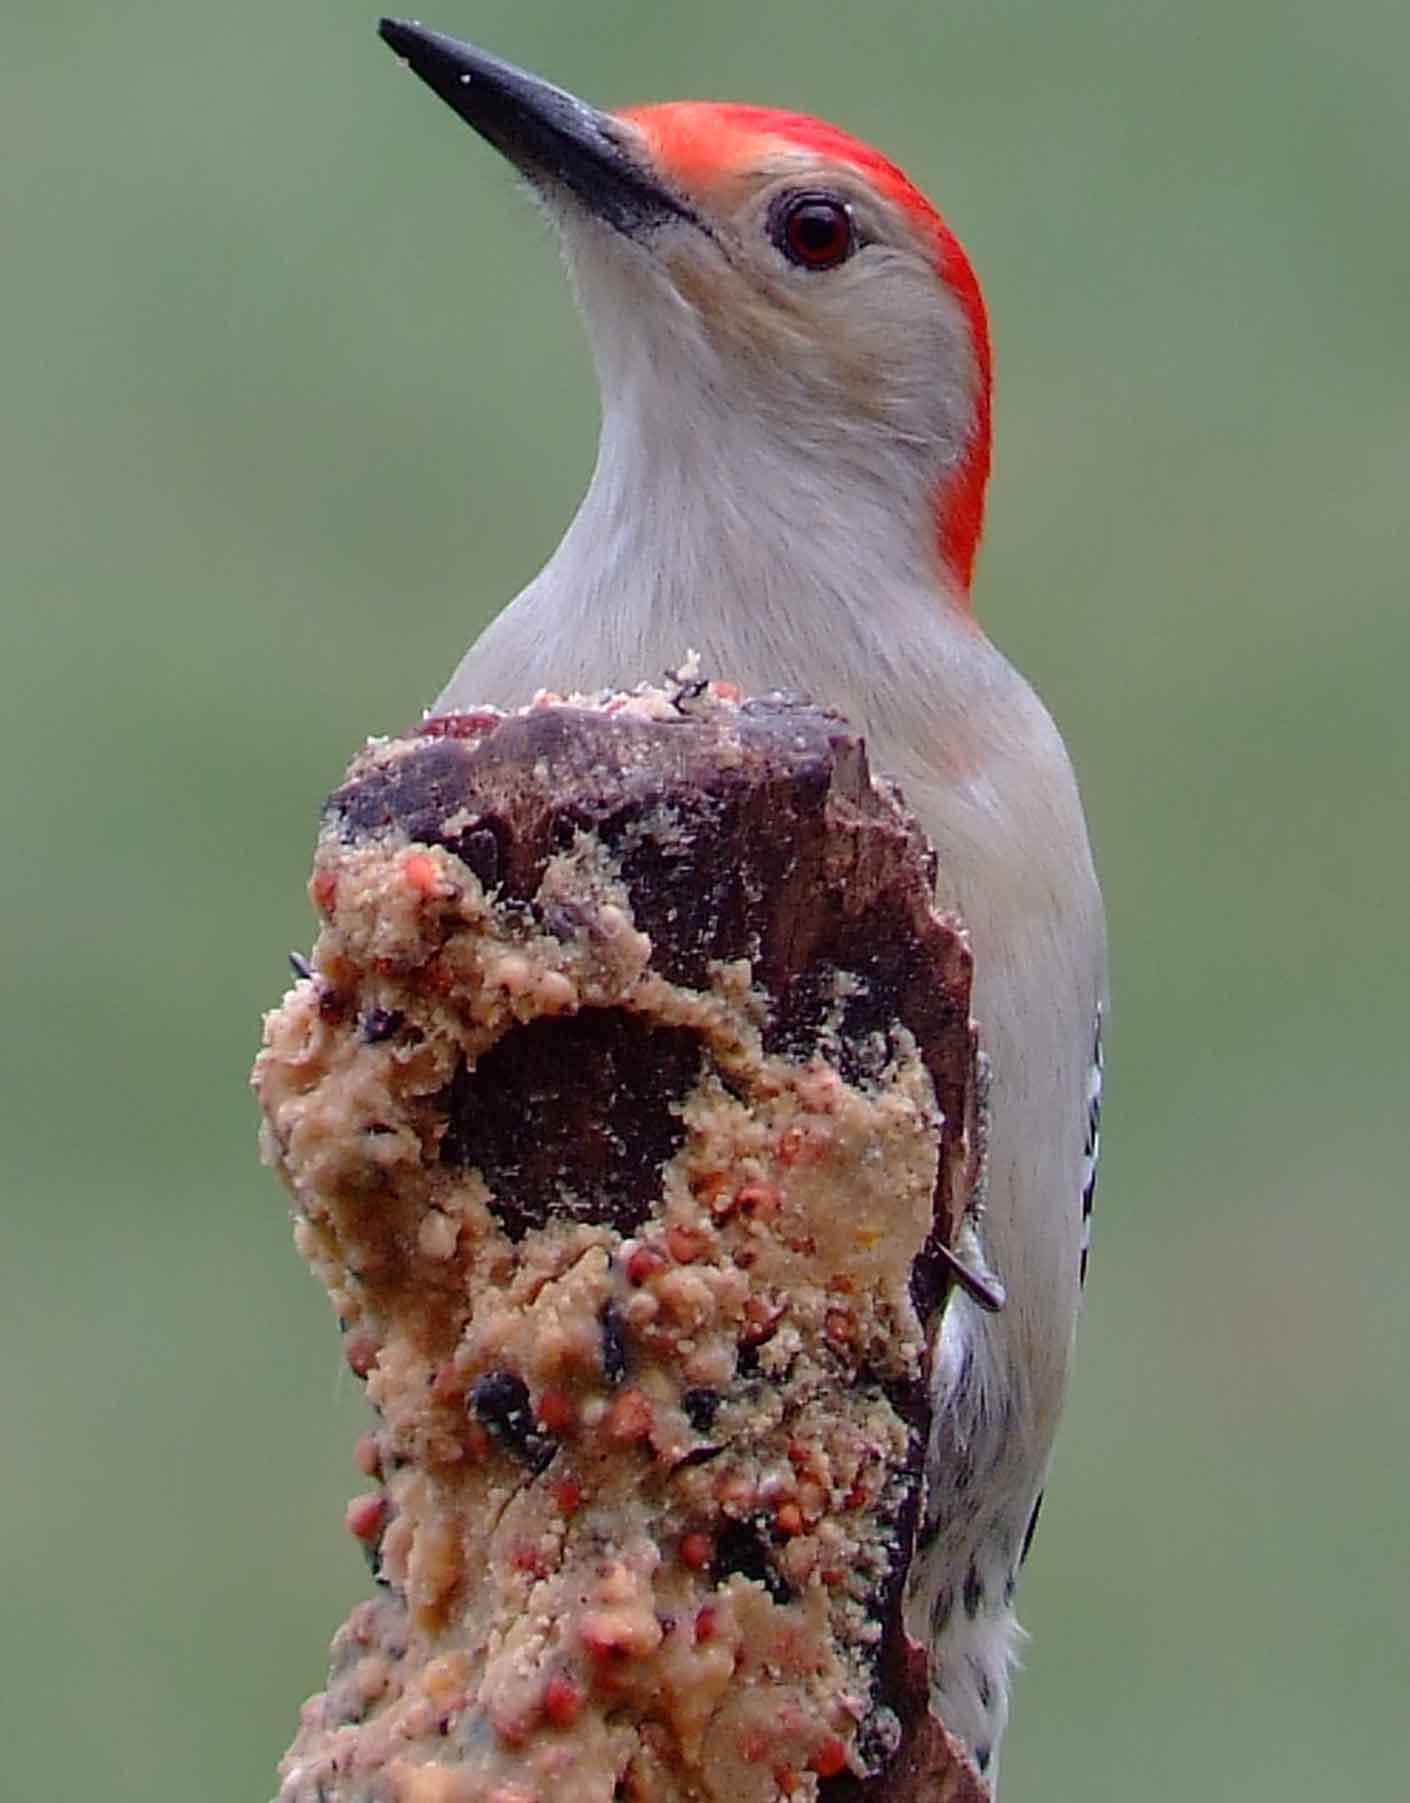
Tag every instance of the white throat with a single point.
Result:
(806, 565)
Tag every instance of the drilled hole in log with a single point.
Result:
(573, 1117)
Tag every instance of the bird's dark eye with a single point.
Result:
(814, 231)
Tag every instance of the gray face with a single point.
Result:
(779, 271)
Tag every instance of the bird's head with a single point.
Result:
(746, 261)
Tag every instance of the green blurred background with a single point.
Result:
(293, 396)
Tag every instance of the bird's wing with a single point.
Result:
(1092, 1145)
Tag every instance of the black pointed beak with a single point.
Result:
(556, 140)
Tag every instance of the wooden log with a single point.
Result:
(629, 1108)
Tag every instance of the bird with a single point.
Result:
(795, 373)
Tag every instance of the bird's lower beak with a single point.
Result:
(558, 141)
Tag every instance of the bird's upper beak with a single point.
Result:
(556, 140)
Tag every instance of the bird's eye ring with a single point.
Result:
(814, 231)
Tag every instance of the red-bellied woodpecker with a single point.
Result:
(794, 362)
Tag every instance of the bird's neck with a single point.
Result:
(808, 565)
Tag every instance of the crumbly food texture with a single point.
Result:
(646, 1474)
